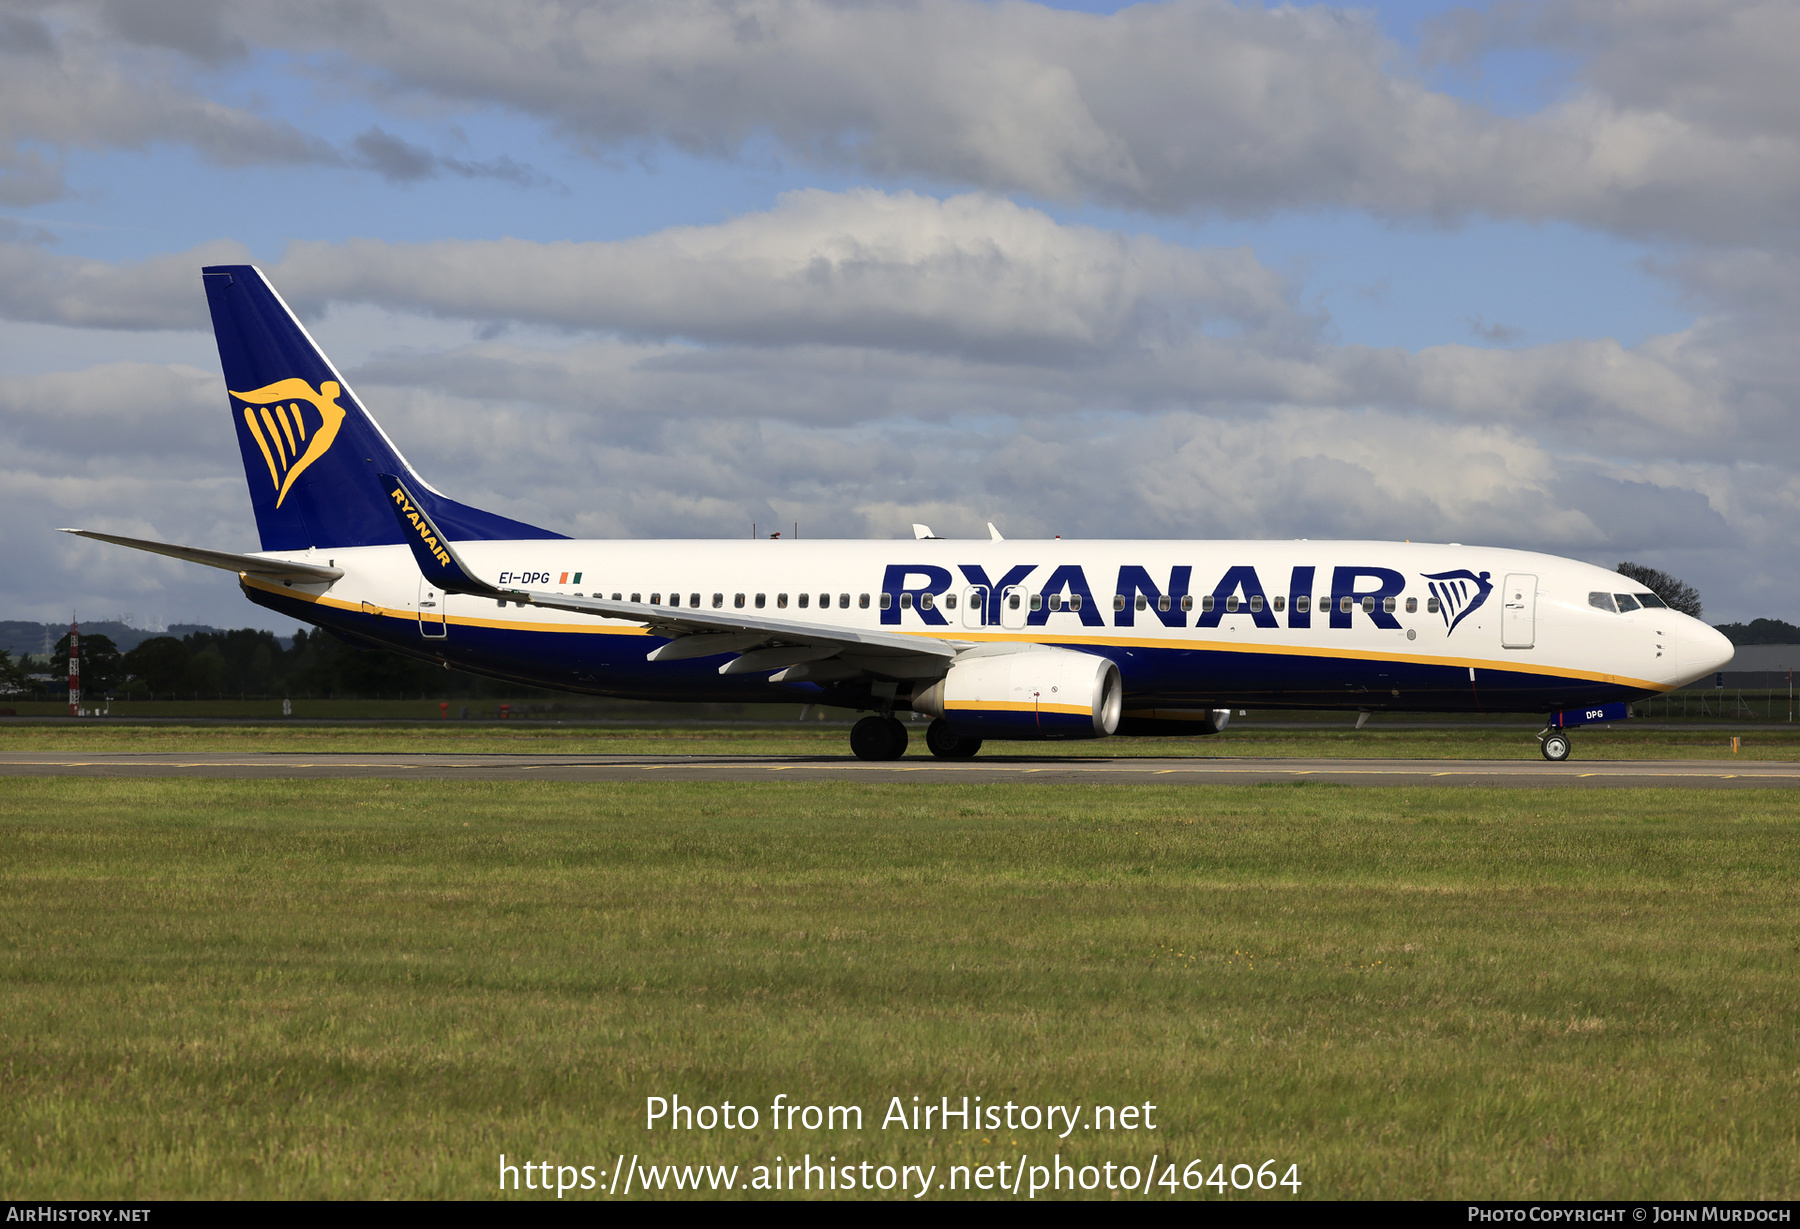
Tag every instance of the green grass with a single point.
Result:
(1628, 741)
(373, 988)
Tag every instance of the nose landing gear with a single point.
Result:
(1555, 745)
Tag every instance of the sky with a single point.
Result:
(1518, 274)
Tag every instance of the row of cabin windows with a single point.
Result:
(1164, 602)
(1623, 603)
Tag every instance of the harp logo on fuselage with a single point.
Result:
(1459, 594)
(293, 426)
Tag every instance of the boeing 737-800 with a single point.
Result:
(993, 639)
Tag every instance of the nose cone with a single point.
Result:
(1704, 650)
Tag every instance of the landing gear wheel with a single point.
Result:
(878, 738)
(1556, 746)
(946, 744)
(896, 738)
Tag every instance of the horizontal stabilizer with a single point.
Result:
(252, 565)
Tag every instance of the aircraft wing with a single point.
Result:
(254, 565)
(759, 643)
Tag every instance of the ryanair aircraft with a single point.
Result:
(992, 639)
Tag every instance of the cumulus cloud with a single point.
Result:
(956, 305)
(1190, 105)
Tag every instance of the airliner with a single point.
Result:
(992, 639)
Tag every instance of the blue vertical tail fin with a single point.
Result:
(313, 456)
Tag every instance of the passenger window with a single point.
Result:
(1256, 603)
(1649, 601)
(843, 601)
(1346, 605)
(1602, 601)
(656, 599)
(1626, 602)
(1056, 601)
(694, 599)
(905, 601)
(1431, 605)
(1206, 604)
(1118, 601)
(1037, 601)
(762, 599)
(1012, 602)
(781, 601)
(1231, 604)
(1280, 604)
(1303, 603)
(1162, 601)
(1412, 605)
(1143, 603)
(1368, 605)
(1187, 601)
(616, 597)
(887, 601)
(500, 602)
(807, 597)
(863, 601)
(926, 601)
(738, 601)
(1074, 601)
(1387, 605)
(824, 601)
(635, 597)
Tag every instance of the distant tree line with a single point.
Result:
(1761, 631)
(250, 662)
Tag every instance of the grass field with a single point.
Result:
(374, 988)
(1628, 741)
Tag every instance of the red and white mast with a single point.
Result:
(74, 669)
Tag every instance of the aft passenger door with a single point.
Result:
(431, 610)
(1518, 612)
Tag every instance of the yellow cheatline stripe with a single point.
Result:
(1019, 706)
(250, 421)
(269, 421)
(1479, 663)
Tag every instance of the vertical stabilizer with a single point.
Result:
(312, 454)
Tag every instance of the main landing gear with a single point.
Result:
(946, 744)
(878, 738)
(1555, 745)
(884, 738)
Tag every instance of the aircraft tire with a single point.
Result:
(1556, 747)
(946, 744)
(897, 733)
(878, 738)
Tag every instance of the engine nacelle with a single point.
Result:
(1047, 693)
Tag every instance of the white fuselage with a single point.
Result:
(1245, 621)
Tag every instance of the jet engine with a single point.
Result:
(1045, 693)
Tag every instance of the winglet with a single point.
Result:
(994, 533)
(437, 559)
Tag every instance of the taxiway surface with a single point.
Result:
(1715, 774)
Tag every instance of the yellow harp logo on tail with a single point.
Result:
(278, 422)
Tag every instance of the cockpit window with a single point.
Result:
(1626, 602)
(1602, 601)
(1649, 601)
